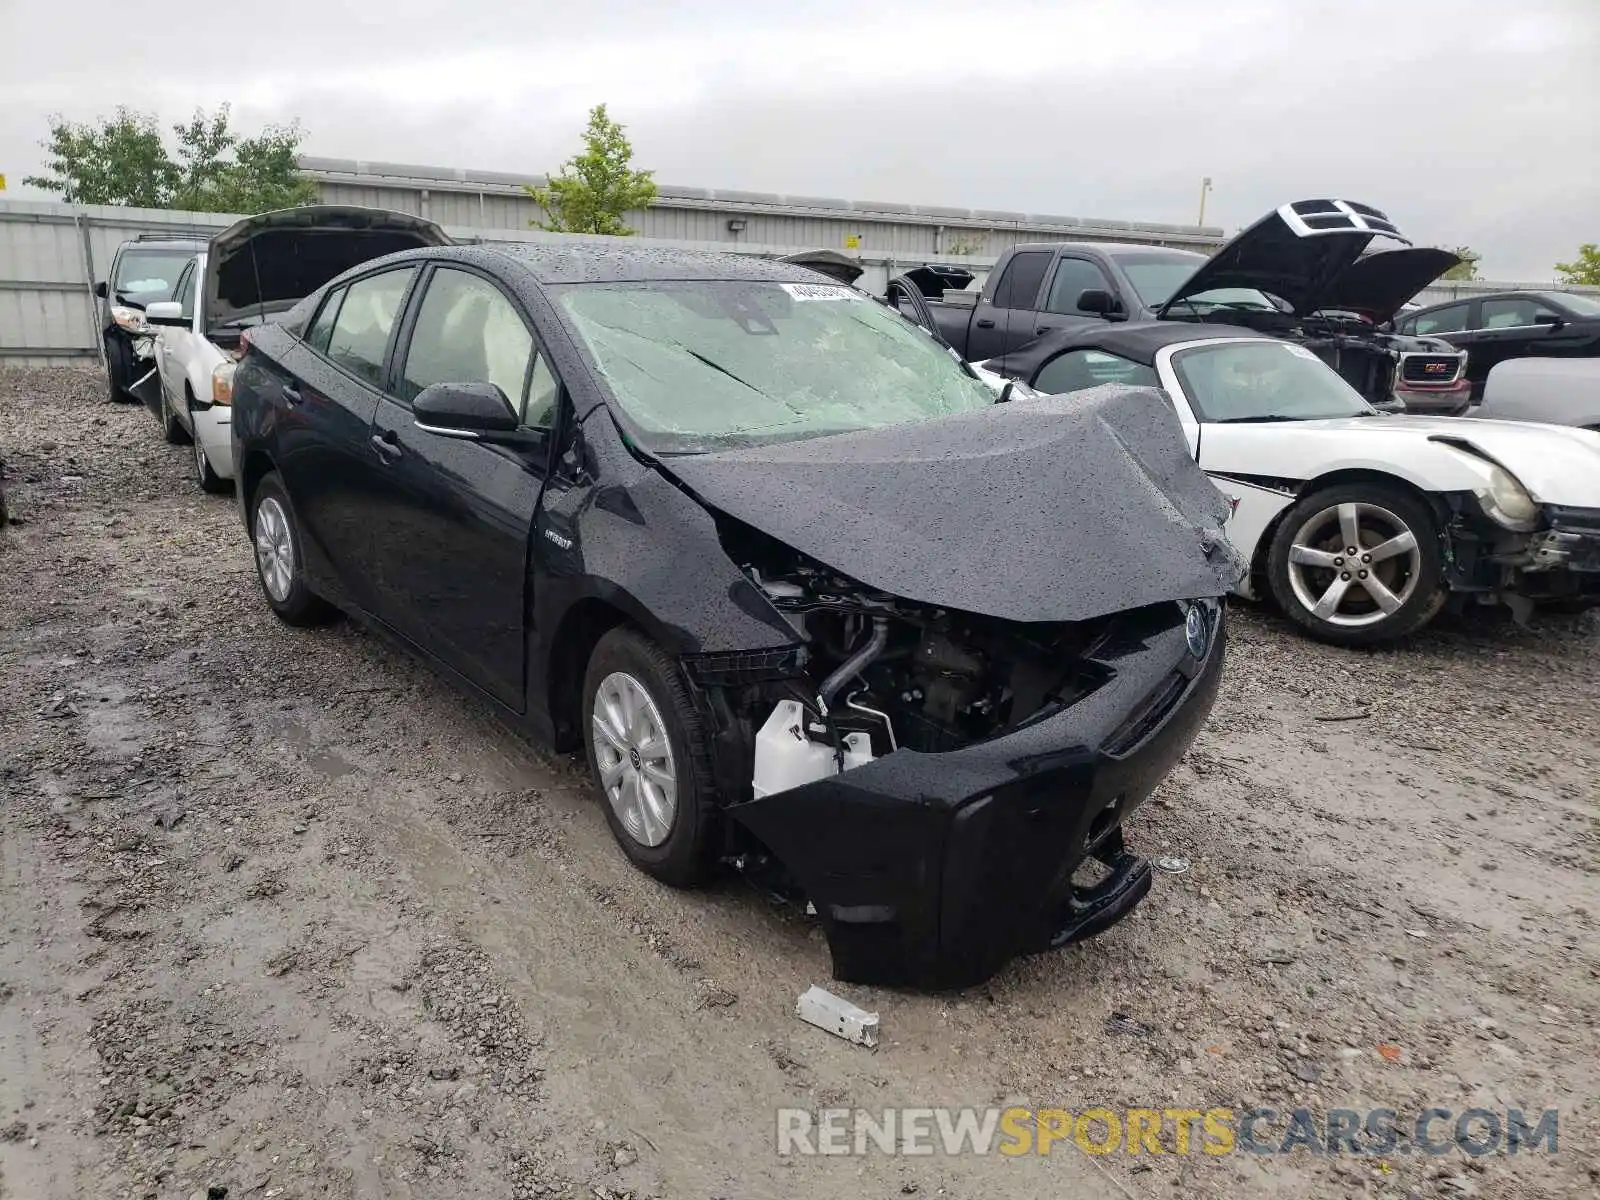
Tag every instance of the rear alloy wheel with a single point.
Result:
(278, 562)
(650, 758)
(1357, 564)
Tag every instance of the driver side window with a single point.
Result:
(467, 331)
(1079, 369)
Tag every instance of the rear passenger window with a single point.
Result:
(317, 335)
(361, 329)
(1019, 286)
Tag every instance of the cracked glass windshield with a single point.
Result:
(713, 365)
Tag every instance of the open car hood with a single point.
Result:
(1295, 253)
(828, 262)
(267, 263)
(1376, 285)
(1061, 508)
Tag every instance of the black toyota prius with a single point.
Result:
(818, 602)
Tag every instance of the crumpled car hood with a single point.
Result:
(1061, 508)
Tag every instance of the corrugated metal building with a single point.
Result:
(491, 200)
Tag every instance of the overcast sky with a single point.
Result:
(1469, 121)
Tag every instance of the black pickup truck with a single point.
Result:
(1301, 272)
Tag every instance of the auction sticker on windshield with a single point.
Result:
(819, 291)
(1300, 351)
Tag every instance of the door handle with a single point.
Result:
(290, 393)
(985, 323)
(387, 446)
(1043, 329)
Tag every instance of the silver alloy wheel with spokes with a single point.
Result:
(634, 757)
(274, 549)
(1354, 564)
(201, 466)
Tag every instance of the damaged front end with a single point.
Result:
(1007, 631)
(947, 790)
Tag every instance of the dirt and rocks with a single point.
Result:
(281, 915)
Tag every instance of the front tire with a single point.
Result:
(1356, 564)
(279, 563)
(119, 359)
(205, 476)
(171, 428)
(651, 758)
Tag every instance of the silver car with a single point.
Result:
(1560, 391)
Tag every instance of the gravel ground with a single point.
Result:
(283, 916)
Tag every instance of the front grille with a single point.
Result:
(1149, 715)
(1435, 370)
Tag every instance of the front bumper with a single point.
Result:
(1451, 401)
(1559, 563)
(934, 870)
(144, 380)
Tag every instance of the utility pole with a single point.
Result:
(1205, 186)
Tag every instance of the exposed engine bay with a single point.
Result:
(877, 673)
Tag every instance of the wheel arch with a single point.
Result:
(257, 465)
(1258, 564)
(571, 646)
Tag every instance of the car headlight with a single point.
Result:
(131, 319)
(1507, 501)
(1503, 499)
(222, 383)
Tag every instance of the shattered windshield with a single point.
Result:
(1263, 381)
(1157, 276)
(711, 365)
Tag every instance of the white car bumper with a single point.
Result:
(213, 432)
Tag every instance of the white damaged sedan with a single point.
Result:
(1361, 526)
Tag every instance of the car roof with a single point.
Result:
(1110, 248)
(1137, 341)
(190, 244)
(601, 262)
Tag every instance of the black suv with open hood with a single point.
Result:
(815, 604)
(1304, 272)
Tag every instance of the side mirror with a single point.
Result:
(166, 312)
(101, 290)
(1100, 302)
(474, 411)
(1549, 319)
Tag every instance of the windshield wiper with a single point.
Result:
(1260, 419)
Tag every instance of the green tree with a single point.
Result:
(119, 161)
(1467, 268)
(125, 161)
(595, 188)
(1585, 268)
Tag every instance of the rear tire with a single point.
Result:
(275, 534)
(1324, 589)
(641, 729)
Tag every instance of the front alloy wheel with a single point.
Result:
(634, 757)
(1357, 564)
(651, 758)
